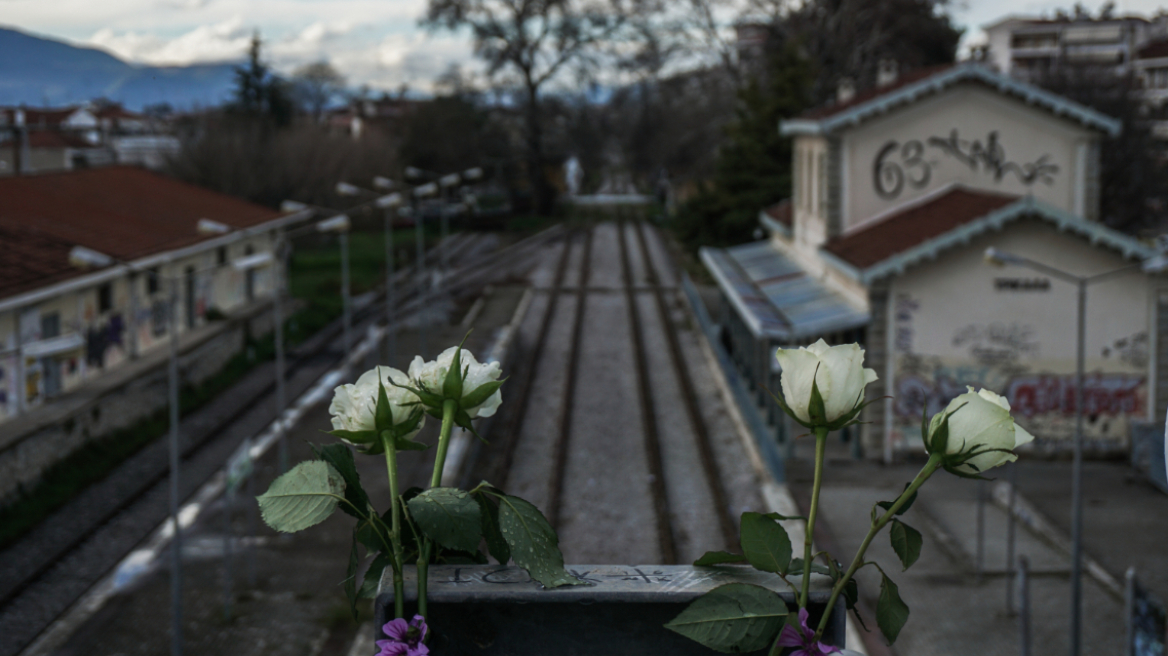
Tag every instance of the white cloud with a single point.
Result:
(227, 40)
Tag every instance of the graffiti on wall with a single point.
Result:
(997, 344)
(1104, 394)
(898, 164)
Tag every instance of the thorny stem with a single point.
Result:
(857, 562)
(399, 587)
(820, 443)
(449, 406)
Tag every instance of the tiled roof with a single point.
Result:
(781, 212)
(125, 212)
(54, 139)
(915, 225)
(924, 83)
(1154, 50)
(862, 97)
(30, 259)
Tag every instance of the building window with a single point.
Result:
(159, 313)
(50, 325)
(221, 256)
(105, 298)
(152, 281)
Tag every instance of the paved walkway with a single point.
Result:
(956, 612)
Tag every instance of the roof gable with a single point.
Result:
(952, 219)
(926, 83)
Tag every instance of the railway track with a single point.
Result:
(627, 469)
(52, 566)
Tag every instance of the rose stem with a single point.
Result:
(399, 599)
(448, 408)
(820, 444)
(922, 476)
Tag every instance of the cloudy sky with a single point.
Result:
(375, 42)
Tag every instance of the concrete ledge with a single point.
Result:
(622, 609)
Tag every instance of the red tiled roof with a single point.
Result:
(781, 212)
(915, 225)
(30, 259)
(903, 80)
(54, 139)
(121, 211)
(1154, 50)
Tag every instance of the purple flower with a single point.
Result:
(805, 638)
(404, 639)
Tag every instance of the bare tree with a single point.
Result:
(315, 84)
(533, 41)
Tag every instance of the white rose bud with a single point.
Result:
(431, 375)
(354, 406)
(979, 421)
(838, 372)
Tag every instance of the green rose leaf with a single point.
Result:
(765, 543)
(351, 575)
(533, 542)
(448, 516)
(341, 458)
(906, 542)
(816, 568)
(903, 509)
(718, 558)
(891, 611)
(733, 618)
(373, 577)
(496, 543)
(303, 497)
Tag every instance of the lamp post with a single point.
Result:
(424, 191)
(82, 257)
(1001, 258)
(388, 203)
(340, 224)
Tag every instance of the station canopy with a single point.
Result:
(775, 297)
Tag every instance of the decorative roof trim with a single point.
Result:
(769, 223)
(1027, 206)
(910, 93)
(707, 256)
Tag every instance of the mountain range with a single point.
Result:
(38, 71)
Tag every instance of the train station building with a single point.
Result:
(898, 193)
(89, 260)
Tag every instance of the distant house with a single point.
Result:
(63, 139)
(898, 192)
(143, 237)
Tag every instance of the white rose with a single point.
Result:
(432, 374)
(354, 406)
(981, 420)
(838, 371)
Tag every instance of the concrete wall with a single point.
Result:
(968, 135)
(24, 458)
(957, 321)
(136, 323)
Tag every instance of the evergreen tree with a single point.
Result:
(260, 93)
(753, 169)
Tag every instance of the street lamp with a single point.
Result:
(388, 203)
(85, 258)
(340, 224)
(997, 257)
